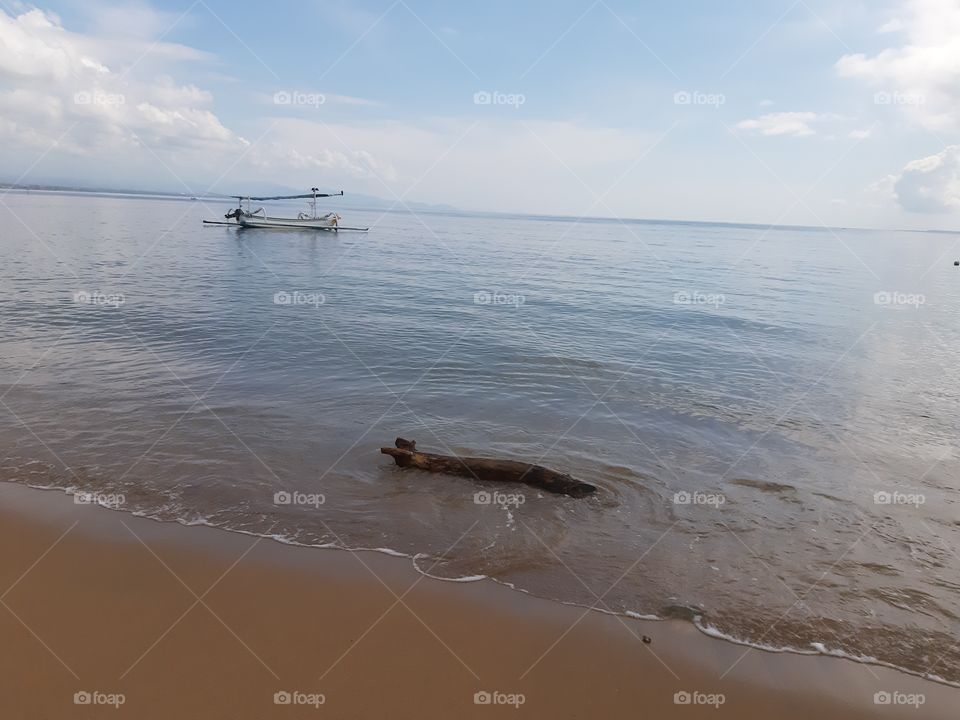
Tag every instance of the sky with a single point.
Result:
(805, 112)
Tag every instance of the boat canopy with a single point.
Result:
(288, 197)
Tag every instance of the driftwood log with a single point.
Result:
(405, 454)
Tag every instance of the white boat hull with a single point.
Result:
(328, 222)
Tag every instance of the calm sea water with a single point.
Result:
(770, 415)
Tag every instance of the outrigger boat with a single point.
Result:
(245, 217)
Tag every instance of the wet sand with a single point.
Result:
(181, 621)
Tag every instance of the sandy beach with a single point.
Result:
(410, 359)
(109, 615)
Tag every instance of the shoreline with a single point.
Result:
(195, 621)
(708, 631)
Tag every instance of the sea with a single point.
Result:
(770, 414)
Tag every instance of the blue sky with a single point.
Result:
(794, 111)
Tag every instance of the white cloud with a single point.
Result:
(861, 134)
(930, 184)
(796, 124)
(494, 163)
(60, 91)
(67, 96)
(924, 71)
(284, 162)
(892, 25)
(132, 113)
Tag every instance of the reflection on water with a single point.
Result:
(769, 414)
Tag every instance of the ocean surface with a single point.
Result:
(769, 414)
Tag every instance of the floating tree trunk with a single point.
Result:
(405, 454)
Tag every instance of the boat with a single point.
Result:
(247, 218)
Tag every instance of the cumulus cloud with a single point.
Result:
(509, 161)
(119, 106)
(284, 160)
(796, 124)
(922, 74)
(60, 92)
(930, 184)
(114, 94)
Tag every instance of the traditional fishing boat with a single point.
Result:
(245, 217)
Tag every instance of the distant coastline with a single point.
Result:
(372, 202)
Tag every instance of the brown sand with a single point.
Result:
(200, 623)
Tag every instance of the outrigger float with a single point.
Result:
(247, 218)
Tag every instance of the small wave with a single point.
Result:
(465, 578)
(389, 551)
(817, 648)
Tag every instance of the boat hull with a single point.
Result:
(253, 221)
